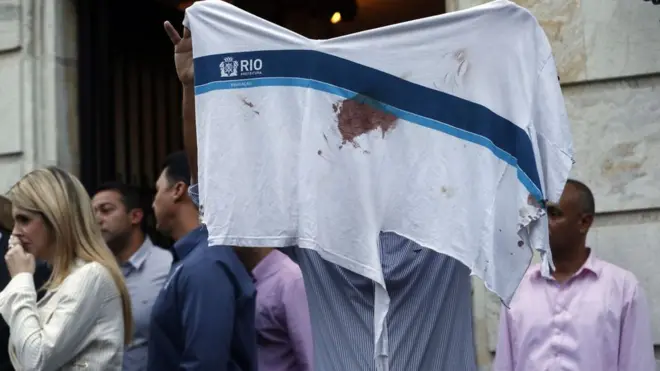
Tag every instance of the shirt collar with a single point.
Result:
(138, 258)
(592, 265)
(268, 265)
(187, 243)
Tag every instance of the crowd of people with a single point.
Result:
(84, 287)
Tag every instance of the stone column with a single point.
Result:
(38, 98)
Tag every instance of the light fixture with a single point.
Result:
(336, 18)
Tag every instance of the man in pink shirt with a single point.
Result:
(591, 316)
(284, 332)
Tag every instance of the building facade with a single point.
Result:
(38, 87)
(608, 56)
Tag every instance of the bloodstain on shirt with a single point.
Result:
(531, 200)
(356, 116)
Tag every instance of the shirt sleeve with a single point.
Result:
(208, 311)
(298, 323)
(49, 343)
(504, 353)
(550, 131)
(636, 344)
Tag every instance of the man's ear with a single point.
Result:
(136, 216)
(180, 191)
(586, 222)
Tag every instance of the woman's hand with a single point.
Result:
(18, 261)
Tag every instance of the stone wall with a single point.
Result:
(608, 57)
(38, 87)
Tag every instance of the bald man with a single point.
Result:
(591, 315)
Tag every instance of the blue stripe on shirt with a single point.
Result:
(415, 103)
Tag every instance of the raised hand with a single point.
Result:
(18, 260)
(183, 56)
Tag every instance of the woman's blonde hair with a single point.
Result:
(67, 210)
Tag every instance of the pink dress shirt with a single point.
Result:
(284, 332)
(598, 320)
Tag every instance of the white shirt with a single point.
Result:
(448, 131)
(78, 325)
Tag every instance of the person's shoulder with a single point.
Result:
(91, 276)
(617, 275)
(218, 260)
(211, 255)
(218, 264)
(89, 270)
(288, 279)
(290, 276)
(620, 282)
(288, 266)
(160, 257)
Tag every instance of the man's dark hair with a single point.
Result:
(176, 168)
(130, 195)
(586, 197)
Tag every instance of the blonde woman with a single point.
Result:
(84, 319)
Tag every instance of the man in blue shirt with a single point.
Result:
(203, 318)
(119, 211)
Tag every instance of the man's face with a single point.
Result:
(164, 204)
(568, 224)
(112, 216)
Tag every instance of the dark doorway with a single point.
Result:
(130, 97)
(129, 94)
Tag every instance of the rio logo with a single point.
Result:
(251, 65)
